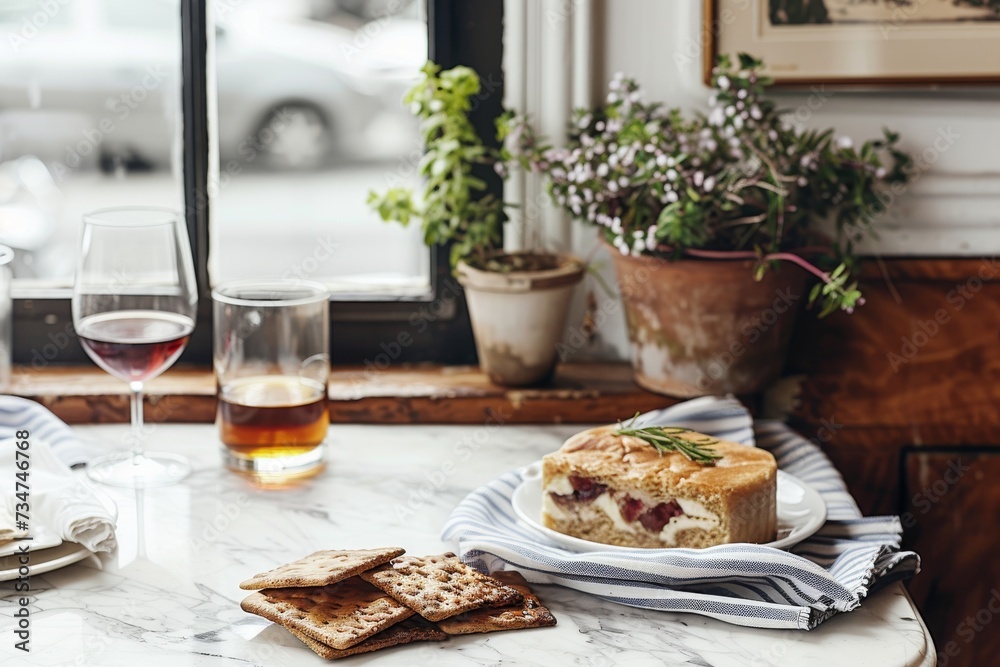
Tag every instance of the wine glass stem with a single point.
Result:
(137, 426)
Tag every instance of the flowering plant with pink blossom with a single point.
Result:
(739, 181)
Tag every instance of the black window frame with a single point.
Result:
(371, 330)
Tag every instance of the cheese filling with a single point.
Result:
(607, 504)
(560, 486)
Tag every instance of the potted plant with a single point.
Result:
(696, 205)
(518, 302)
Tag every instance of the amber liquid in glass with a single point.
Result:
(271, 416)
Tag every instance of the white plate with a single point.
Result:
(45, 560)
(801, 512)
(41, 538)
(48, 551)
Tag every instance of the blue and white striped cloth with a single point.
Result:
(743, 584)
(17, 414)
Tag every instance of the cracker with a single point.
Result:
(528, 614)
(410, 630)
(321, 568)
(512, 578)
(340, 615)
(437, 587)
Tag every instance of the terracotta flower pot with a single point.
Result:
(701, 327)
(519, 317)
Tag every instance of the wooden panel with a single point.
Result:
(580, 393)
(871, 473)
(918, 367)
(952, 507)
(919, 435)
(88, 395)
(463, 395)
(923, 350)
(870, 458)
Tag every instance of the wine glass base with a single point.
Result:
(125, 470)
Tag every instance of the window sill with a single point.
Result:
(580, 393)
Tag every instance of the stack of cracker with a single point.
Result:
(341, 603)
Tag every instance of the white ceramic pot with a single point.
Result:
(519, 317)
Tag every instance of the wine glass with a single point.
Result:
(134, 303)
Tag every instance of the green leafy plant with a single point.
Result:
(665, 439)
(741, 181)
(453, 206)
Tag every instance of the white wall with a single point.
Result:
(953, 208)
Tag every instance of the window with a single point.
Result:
(89, 117)
(309, 120)
(267, 123)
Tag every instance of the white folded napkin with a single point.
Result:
(57, 499)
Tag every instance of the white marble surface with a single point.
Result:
(170, 596)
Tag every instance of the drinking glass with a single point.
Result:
(272, 364)
(134, 307)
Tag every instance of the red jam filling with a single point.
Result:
(656, 518)
(631, 508)
(586, 489)
(652, 519)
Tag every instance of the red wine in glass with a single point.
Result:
(135, 299)
(135, 345)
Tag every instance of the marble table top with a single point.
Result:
(170, 595)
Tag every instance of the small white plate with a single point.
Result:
(42, 537)
(44, 560)
(48, 551)
(801, 512)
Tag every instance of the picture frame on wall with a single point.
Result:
(859, 42)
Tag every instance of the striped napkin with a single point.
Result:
(17, 414)
(744, 584)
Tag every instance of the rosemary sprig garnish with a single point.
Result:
(664, 439)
